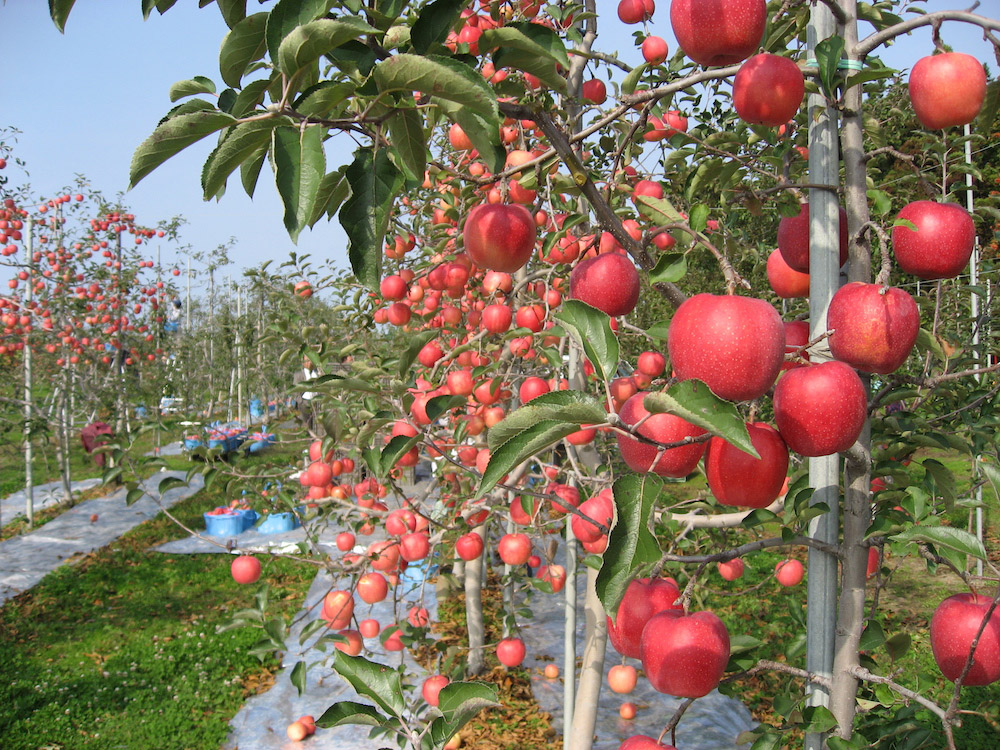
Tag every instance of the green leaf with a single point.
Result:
(333, 191)
(59, 12)
(944, 536)
(898, 645)
(944, 480)
(818, 719)
(699, 217)
(436, 19)
(659, 330)
(191, 87)
(396, 449)
(658, 210)
(287, 16)
(459, 703)
(442, 404)
(298, 676)
(322, 99)
(520, 448)
(241, 142)
(172, 136)
(632, 79)
(670, 268)
(532, 38)
(694, 401)
(248, 99)
(307, 43)
(992, 473)
(134, 495)
(442, 77)
(871, 74)
(881, 202)
(406, 127)
(169, 483)
(351, 712)
(631, 544)
(243, 45)
(416, 342)
(299, 168)
(828, 55)
(233, 11)
(570, 407)
(376, 681)
(375, 182)
(482, 130)
(250, 171)
(591, 329)
(872, 637)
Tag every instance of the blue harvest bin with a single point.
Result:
(276, 523)
(228, 524)
(190, 444)
(249, 517)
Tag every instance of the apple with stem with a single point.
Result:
(731, 570)
(738, 479)
(947, 89)
(663, 428)
(874, 326)
(500, 236)
(245, 569)
(954, 626)
(609, 282)
(684, 655)
(768, 90)
(820, 409)
(940, 242)
(644, 597)
(511, 652)
(718, 32)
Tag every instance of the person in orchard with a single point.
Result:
(306, 409)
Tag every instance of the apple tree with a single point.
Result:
(520, 207)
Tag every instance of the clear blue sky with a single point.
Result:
(84, 100)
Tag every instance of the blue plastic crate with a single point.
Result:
(228, 524)
(276, 523)
(190, 444)
(249, 517)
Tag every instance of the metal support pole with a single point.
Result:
(29, 485)
(824, 279)
(976, 352)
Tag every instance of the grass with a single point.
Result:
(121, 650)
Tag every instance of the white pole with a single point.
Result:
(824, 279)
(29, 490)
(974, 281)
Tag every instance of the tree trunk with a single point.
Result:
(474, 609)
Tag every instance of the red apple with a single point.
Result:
(627, 710)
(820, 409)
(431, 688)
(793, 239)
(953, 628)
(786, 282)
(731, 570)
(609, 282)
(372, 587)
(369, 628)
(874, 326)
(947, 89)
(643, 742)
(600, 507)
(651, 363)
(245, 569)
(497, 318)
(554, 575)
(941, 242)
(654, 49)
(622, 678)
(718, 32)
(663, 428)
(414, 546)
(685, 655)
(768, 90)
(635, 11)
(500, 236)
(532, 387)
(644, 597)
(789, 572)
(511, 652)
(514, 549)
(595, 91)
(734, 344)
(796, 337)
(737, 478)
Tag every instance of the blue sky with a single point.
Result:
(84, 100)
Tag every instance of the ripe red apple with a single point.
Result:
(789, 572)
(718, 32)
(554, 575)
(431, 688)
(532, 387)
(511, 652)
(654, 49)
(627, 710)
(874, 326)
(947, 89)
(785, 280)
(793, 239)
(941, 243)
(796, 337)
(635, 11)
(685, 655)
(609, 282)
(768, 90)
(622, 678)
(595, 91)
(500, 236)
(734, 344)
(731, 570)
(514, 549)
(372, 587)
(414, 546)
(663, 428)
(600, 507)
(820, 409)
(551, 671)
(953, 628)
(497, 318)
(737, 478)
(369, 628)
(643, 742)
(245, 569)
(651, 363)
(644, 597)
